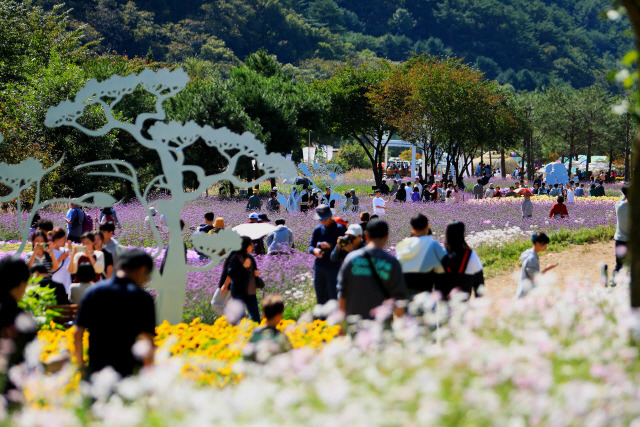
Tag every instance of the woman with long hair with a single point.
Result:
(462, 266)
(241, 278)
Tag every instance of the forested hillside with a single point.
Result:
(525, 43)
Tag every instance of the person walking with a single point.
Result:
(623, 229)
(74, 220)
(462, 266)
(118, 313)
(356, 201)
(323, 240)
(530, 261)
(241, 280)
(420, 257)
(370, 276)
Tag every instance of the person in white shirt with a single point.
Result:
(62, 253)
(570, 193)
(379, 205)
(408, 189)
(158, 219)
(417, 184)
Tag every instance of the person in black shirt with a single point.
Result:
(40, 271)
(117, 313)
(98, 240)
(384, 188)
(15, 274)
(208, 223)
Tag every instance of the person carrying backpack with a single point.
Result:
(87, 223)
(462, 266)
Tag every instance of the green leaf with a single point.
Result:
(630, 58)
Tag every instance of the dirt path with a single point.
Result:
(576, 262)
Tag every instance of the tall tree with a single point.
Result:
(351, 113)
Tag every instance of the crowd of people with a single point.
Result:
(89, 268)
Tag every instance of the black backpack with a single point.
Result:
(454, 274)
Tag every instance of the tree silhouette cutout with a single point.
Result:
(169, 140)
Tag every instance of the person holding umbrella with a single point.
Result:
(526, 205)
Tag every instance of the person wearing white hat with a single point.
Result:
(351, 241)
(490, 192)
(158, 219)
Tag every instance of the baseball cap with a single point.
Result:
(254, 216)
(323, 212)
(274, 189)
(354, 230)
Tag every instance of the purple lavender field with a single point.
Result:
(489, 223)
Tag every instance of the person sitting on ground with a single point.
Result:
(415, 196)
(356, 201)
(498, 193)
(478, 190)
(527, 207)
(559, 210)
(370, 276)
(593, 192)
(543, 191)
(42, 253)
(511, 193)
(394, 187)
(490, 193)
(15, 275)
(273, 205)
(347, 204)
(280, 241)
(218, 225)
(208, 223)
(41, 278)
(600, 189)
(268, 341)
(253, 218)
(86, 253)
(401, 194)
(420, 257)
(46, 226)
(254, 203)
(379, 205)
(530, 261)
(580, 191)
(555, 191)
(384, 188)
(118, 313)
(84, 280)
(351, 241)
(462, 266)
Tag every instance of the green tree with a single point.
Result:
(351, 114)
(351, 156)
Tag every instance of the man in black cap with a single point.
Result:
(258, 245)
(323, 240)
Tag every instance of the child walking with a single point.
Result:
(531, 264)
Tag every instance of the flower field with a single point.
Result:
(559, 357)
(489, 223)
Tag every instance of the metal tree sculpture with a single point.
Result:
(169, 140)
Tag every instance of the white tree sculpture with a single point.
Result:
(169, 140)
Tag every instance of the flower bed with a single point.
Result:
(560, 356)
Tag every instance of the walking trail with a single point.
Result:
(576, 262)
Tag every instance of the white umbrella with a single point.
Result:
(254, 231)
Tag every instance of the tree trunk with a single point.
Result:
(570, 152)
(589, 142)
(272, 182)
(626, 151)
(610, 160)
(503, 164)
(232, 189)
(633, 11)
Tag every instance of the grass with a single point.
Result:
(506, 258)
